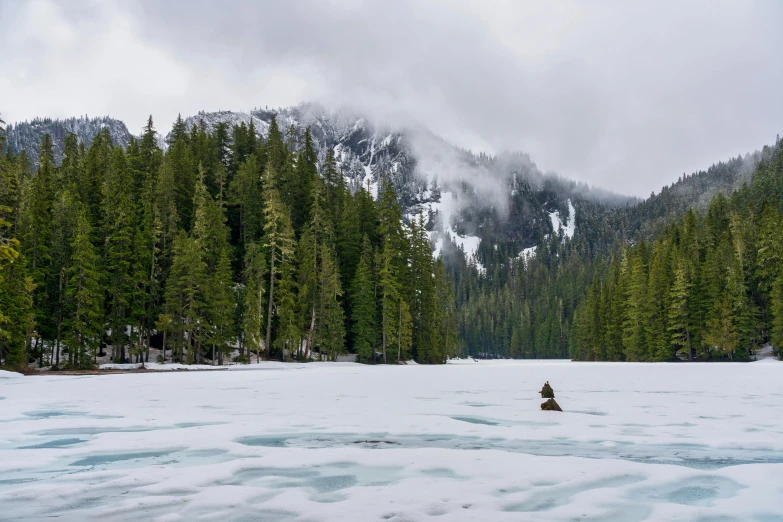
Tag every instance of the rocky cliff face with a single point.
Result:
(27, 135)
(469, 200)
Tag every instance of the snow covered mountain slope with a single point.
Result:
(475, 203)
(27, 135)
(465, 197)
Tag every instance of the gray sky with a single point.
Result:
(624, 95)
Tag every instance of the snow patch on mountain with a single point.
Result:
(568, 226)
(444, 212)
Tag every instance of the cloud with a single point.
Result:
(619, 94)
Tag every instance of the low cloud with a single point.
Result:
(623, 95)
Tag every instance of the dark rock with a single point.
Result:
(550, 405)
(547, 392)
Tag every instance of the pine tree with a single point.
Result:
(330, 335)
(678, 320)
(185, 297)
(363, 311)
(16, 287)
(63, 229)
(16, 311)
(334, 184)
(769, 249)
(279, 241)
(83, 325)
(247, 195)
(120, 219)
(211, 232)
(635, 325)
(94, 174)
(255, 279)
(776, 334)
(37, 232)
(446, 312)
(421, 294)
(721, 334)
(184, 172)
(389, 295)
(304, 176)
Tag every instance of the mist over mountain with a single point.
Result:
(502, 202)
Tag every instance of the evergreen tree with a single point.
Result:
(185, 297)
(304, 176)
(120, 219)
(635, 325)
(16, 286)
(330, 335)
(211, 232)
(776, 335)
(84, 296)
(678, 320)
(279, 241)
(255, 280)
(36, 234)
(247, 195)
(363, 311)
(16, 312)
(721, 334)
(389, 295)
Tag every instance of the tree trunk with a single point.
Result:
(268, 342)
(163, 347)
(384, 346)
(308, 346)
(399, 336)
(213, 354)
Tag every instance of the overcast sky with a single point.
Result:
(623, 96)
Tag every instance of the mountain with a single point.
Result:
(27, 135)
(521, 246)
(475, 203)
(468, 198)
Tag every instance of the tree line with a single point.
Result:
(708, 286)
(541, 306)
(222, 243)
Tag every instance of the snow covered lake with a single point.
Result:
(348, 442)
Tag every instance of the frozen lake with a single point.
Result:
(348, 442)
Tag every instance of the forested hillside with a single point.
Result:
(513, 305)
(519, 248)
(224, 241)
(708, 286)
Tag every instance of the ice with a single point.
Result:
(322, 441)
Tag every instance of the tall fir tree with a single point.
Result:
(279, 241)
(84, 296)
(363, 310)
(255, 277)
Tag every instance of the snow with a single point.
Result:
(527, 253)
(447, 207)
(9, 375)
(571, 227)
(766, 354)
(469, 244)
(328, 441)
(568, 228)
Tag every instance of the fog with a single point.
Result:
(625, 97)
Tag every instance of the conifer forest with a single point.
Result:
(219, 244)
(222, 244)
